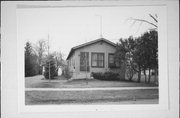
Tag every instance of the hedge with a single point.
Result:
(109, 76)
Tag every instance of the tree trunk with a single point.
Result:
(139, 75)
(149, 75)
(155, 75)
(131, 75)
(145, 76)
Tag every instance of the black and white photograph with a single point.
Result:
(92, 59)
(90, 55)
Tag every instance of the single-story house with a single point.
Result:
(93, 56)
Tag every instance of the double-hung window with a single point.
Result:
(97, 60)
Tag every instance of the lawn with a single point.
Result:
(92, 97)
(61, 82)
(136, 96)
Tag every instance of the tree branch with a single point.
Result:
(153, 17)
(133, 67)
(141, 20)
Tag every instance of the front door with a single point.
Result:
(84, 61)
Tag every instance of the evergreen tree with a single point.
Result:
(30, 61)
(50, 68)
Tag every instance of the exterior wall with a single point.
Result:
(100, 47)
(71, 64)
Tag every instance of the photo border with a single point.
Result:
(163, 67)
(9, 84)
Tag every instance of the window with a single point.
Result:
(97, 60)
(112, 62)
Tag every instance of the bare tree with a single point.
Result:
(154, 18)
(41, 49)
(59, 58)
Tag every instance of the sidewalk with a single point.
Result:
(88, 89)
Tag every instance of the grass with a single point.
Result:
(61, 82)
(86, 97)
(89, 97)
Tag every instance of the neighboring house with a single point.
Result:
(93, 56)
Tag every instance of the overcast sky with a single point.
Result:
(69, 27)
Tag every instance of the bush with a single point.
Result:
(67, 73)
(53, 70)
(109, 76)
(97, 75)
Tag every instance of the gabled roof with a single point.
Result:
(87, 44)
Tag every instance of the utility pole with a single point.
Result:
(100, 25)
(49, 60)
(86, 65)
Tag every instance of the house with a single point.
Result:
(93, 56)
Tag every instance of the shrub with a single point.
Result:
(109, 76)
(98, 75)
(67, 73)
(52, 69)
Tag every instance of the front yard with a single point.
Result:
(55, 94)
(92, 97)
(61, 82)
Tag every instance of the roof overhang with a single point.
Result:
(87, 44)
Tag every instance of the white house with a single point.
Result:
(93, 56)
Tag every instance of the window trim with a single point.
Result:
(97, 61)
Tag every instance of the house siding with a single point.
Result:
(71, 61)
(99, 47)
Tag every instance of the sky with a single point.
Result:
(72, 26)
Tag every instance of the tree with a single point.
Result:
(59, 61)
(50, 68)
(139, 54)
(41, 48)
(123, 54)
(153, 37)
(144, 54)
(30, 61)
(149, 46)
(152, 23)
(59, 58)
